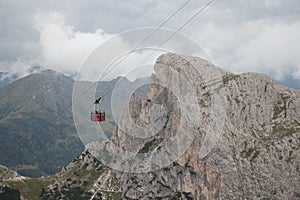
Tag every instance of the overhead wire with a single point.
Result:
(181, 28)
(148, 36)
(108, 69)
(187, 23)
(162, 24)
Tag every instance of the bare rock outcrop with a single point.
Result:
(255, 153)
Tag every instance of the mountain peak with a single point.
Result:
(258, 139)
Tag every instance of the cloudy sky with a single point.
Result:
(239, 35)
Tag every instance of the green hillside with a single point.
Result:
(37, 138)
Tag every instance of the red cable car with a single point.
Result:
(98, 115)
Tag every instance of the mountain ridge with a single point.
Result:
(30, 120)
(36, 116)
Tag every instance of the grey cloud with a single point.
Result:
(229, 29)
(18, 37)
(252, 36)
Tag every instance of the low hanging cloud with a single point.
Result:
(63, 48)
(272, 51)
(263, 45)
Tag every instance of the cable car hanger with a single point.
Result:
(98, 115)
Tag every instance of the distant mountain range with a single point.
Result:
(38, 136)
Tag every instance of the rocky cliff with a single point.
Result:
(256, 151)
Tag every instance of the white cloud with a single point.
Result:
(273, 3)
(63, 48)
(264, 45)
(20, 67)
(267, 3)
(272, 51)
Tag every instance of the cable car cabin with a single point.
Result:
(98, 116)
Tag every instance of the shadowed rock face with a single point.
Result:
(254, 155)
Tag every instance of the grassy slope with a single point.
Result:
(74, 183)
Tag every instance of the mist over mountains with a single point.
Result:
(6, 78)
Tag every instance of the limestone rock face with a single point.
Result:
(250, 150)
(7, 174)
